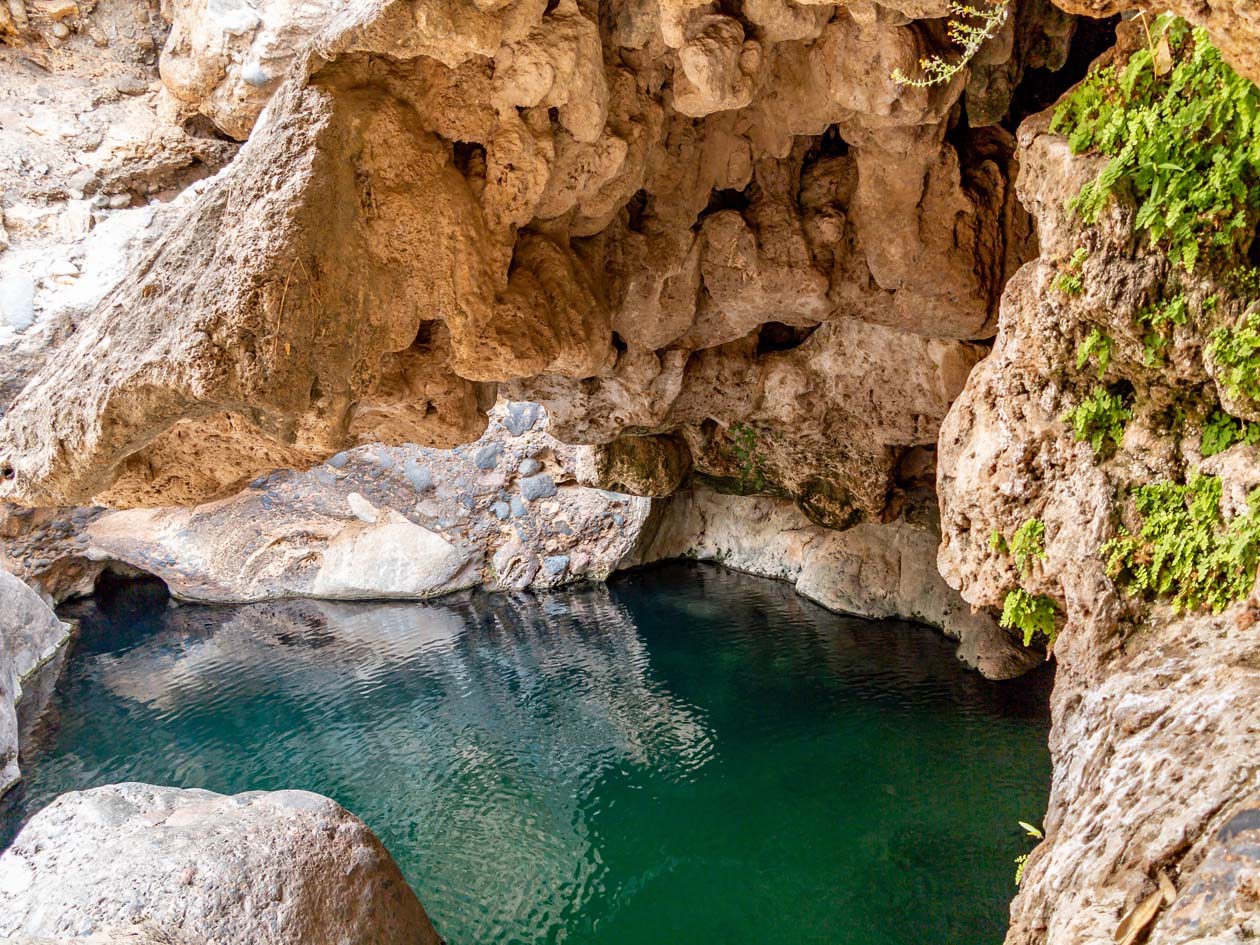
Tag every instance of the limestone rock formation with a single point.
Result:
(32, 647)
(1156, 708)
(1235, 27)
(726, 252)
(262, 868)
(117, 936)
(377, 522)
(615, 213)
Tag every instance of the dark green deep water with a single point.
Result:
(687, 756)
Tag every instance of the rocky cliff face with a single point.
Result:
(32, 646)
(725, 251)
(1108, 416)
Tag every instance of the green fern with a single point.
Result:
(1236, 353)
(1186, 143)
(1069, 281)
(1031, 614)
(1096, 345)
(1099, 419)
(1021, 861)
(1221, 431)
(1185, 550)
(1028, 542)
(1159, 320)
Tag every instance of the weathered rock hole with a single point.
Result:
(775, 336)
(828, 144)
(468, 157)
(636, 210)
(727, 199)
(424, 339)
(1042, 87)
(1253, 250)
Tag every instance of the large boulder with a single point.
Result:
(263, 868)
(32, 643)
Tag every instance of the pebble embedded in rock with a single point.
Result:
(255, 76)
(420, 478)
(541, 486)
(487, 457)
(530, 467)
(521, 417)
(130, 85)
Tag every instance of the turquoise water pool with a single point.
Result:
(688, 755)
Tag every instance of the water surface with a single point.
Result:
(687, 756)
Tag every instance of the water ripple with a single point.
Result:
(688, 756)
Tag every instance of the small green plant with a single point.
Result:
(970, 28)
(1028, 542)
(1236, 352)
(1221, 431)
(1159, 320)
(1022, 860)
(1098, 419)
(1180, 128)
(997, 542)
(1069, 281)
(1096, 345)
(1184, 549)
(752, 475)
(1245, 280)
(1030, 614)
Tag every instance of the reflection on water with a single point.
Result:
(689, 755)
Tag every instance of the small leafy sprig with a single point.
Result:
(1096, 345)
(970, 29)
(1029, 613)
(1022, 860)
(1028, 542)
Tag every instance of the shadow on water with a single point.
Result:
(687, 754)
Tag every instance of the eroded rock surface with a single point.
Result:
(1156, 714)
(262, 868)
(505, 511)
(1235, 27)
(657, 219)
(32, 646)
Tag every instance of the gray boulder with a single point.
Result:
(32, 645)
(263, 868)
